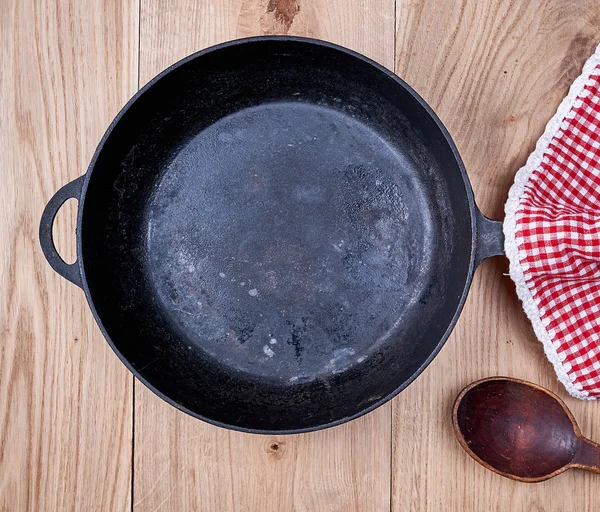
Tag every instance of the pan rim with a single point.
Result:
(389, 74)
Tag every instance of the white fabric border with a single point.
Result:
(525, 293)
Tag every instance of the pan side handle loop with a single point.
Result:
(71, 271)
(490, 238)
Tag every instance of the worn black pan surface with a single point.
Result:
(275, 235)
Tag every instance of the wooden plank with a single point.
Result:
(183, 464)
(495, 71)
(65, 399)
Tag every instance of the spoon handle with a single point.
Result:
(587, 456)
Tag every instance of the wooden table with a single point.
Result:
(77, 433)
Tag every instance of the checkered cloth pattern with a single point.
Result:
(553, 236)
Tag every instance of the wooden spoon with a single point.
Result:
(520, 430)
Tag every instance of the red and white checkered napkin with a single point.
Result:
(552, 230)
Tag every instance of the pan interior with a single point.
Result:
(288, 240)
(276, 235)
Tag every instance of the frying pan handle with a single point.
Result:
(69, 271)
(490, 238)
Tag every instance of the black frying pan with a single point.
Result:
(275, 235)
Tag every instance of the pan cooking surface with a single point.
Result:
(289, 241)
(277, 235)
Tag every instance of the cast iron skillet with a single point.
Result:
(275, 235)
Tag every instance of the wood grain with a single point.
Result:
(208, 469)
(495, 71)
(65, 399)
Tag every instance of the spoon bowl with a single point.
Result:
(520, 430)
